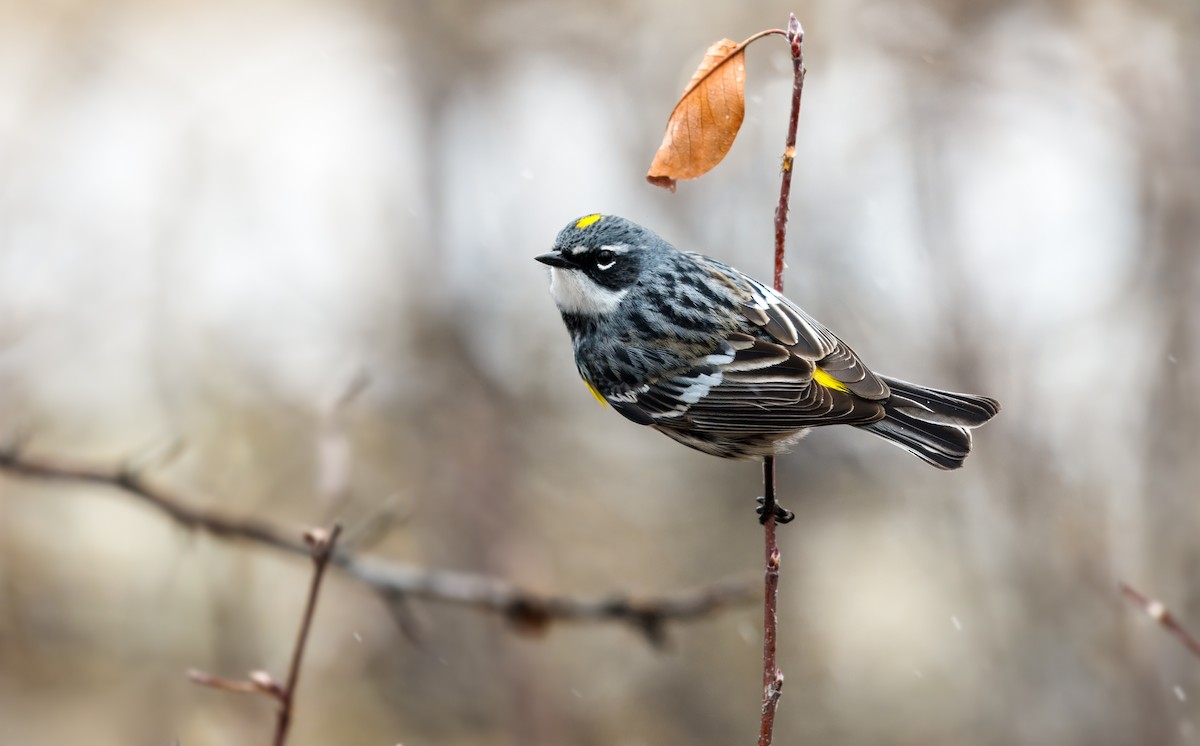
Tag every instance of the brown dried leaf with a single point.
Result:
(707, 118)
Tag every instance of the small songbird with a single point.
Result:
(724, 364)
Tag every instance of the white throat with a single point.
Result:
(575, 292)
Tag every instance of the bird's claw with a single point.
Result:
(782, 514)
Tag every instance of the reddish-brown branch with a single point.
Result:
(772, 675)
(396, 581)
(321, 545)
(1161, 614)
(795, 36)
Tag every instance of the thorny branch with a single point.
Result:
(395, 581)
(321, 545)
(1161, 614)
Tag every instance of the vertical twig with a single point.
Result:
(795, 36)
(321, 544)
(772, 675)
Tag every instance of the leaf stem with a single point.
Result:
(732, 53)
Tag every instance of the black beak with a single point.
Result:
(554, 259)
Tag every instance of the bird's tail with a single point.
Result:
(933, 425)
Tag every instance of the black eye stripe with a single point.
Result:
(614, 267)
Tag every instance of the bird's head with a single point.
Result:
(597, 260)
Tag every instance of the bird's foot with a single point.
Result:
(782, 514)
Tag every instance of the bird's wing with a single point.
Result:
(787, 324)
(749, 385)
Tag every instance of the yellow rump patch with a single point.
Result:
(828, 381)
(587, 220)
(597, 394)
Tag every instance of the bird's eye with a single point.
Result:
(605, 259)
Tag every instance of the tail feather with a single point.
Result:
(946, 407)
(931, 424)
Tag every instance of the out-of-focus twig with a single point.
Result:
(1161, 614)
(527, 610)
(321, 545)
(334, 455)
(258, 682)
(125, 478)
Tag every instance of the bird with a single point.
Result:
(724, 364)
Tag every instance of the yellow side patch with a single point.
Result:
(587, 220)
(828, 381)
(597, 394)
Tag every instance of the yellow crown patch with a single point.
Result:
(587, 220)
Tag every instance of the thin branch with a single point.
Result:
(1161, 614)
(321, 545)
(524, 608)
(795, 35)
(124, 478)
(256, 683)
(772, 676)
(334, 454)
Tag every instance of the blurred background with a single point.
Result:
(216, 217)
